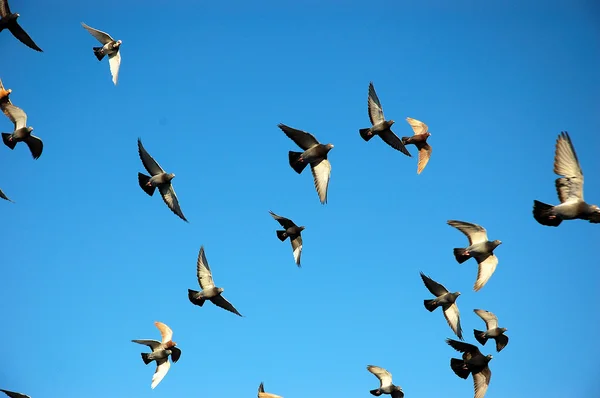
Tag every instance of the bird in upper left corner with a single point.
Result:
(13, 394)
(8, 20)
(109, 47)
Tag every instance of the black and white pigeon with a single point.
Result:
(569, 188)
(314, 154)
(209, 290)
(21, 133)
(446, 300)
(3, 196)
(385, 383)
(492, 332)
(159, 179)
(8, 20)
(109, 47)
(380, 126)
(293, 232)
(13, 394)
(473, 362)
(480, 248)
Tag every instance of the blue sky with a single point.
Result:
(89, 261)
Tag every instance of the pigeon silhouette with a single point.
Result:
(21, 132)
(492, 332)
(446, 300)
(473, 362)
(109, 47)
(419, 139)
(8, 20)
(293, 232)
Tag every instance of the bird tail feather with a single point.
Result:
(296, 165)
(98, 53)
(376, 392)
(364, 133)
(460, 256)
(145, 358)
(458, 367)
(196, 301)
(430, 305)
(542, 213)
(480, 336)
(281, 235)
(143, 180)
(10, 144)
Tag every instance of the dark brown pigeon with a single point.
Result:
(159, 179)
(8, 20)
(380, 126)
(3, 196)
(492, 332)
(21, 133)
(569, 188)
(209, 290)
(293, 232)
(446, 300)
(12, 394)
(419, 139)
(472, 362)
(314, 154)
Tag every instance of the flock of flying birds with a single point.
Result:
(569, 187)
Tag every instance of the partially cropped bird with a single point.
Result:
(569, 188)
(473, 362)
(385, 383)
(4, 93)
(380, 126)
(314, 154)
(160, 352)
(21, 132)
(291, 231)
(160, 179)
(8, 20)
(109, 47)
(263, 394)
(446, 300)
(13, 394)
(492, 332)
(480, 248)
(3, 196)
(419, 139)
(209, 291)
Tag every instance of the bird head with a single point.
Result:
(503, 329)
(118, 43)
(489, 357)
(391, 122)
(329, 146)
(457, 294)
(428, 134)
(220, 290)
(497, 242)
(301, 228)
(171, 176)
(593, 208)
(29, 129)
(170, 344)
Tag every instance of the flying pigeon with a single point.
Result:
(492, 332)
(8, 20)
(3, 196)
(263, 394)
(160, 352)
(159, 179)
(293, 232)
(109, 47)
(419, 139)
(12, 394)
(385, 383)
(479, 248)
(569, 188)
(473, 362)
(209, 290)
(380, 126)
(315, 154)
(4, 94)
(446, 300)
(22, 133)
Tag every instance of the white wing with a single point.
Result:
(385, 377)
(485, 271)
(418, 126)
(165, 331)
(161, 371)
(491, 321)
(203, 272)
(321, 172)
(114, 61)
(452, 316)
(481, 381)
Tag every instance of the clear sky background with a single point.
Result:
(89, 261)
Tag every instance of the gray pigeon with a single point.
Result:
(209, 290)
(314, 153)
(109, 47)
(446, 300)
(380, 126)
(160, 352)
(479, 248)
(8, 20)
(569, 188)
(472, 362)
(293, 232)
(263, 394)
(12, 394)
(159, 179)
(3, 196)
(492, 332)
(385, 383)
(21, 133)
(419, 139)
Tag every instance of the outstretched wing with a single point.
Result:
(303, 139)
(435, 288)
(165, 331)
(148, 161)
(385, 377)
(491, 321)
(203, 271)
(220, 301)
(284, 222)
(102, 37)
(475, 233)
(570, 186)
(375, 109)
